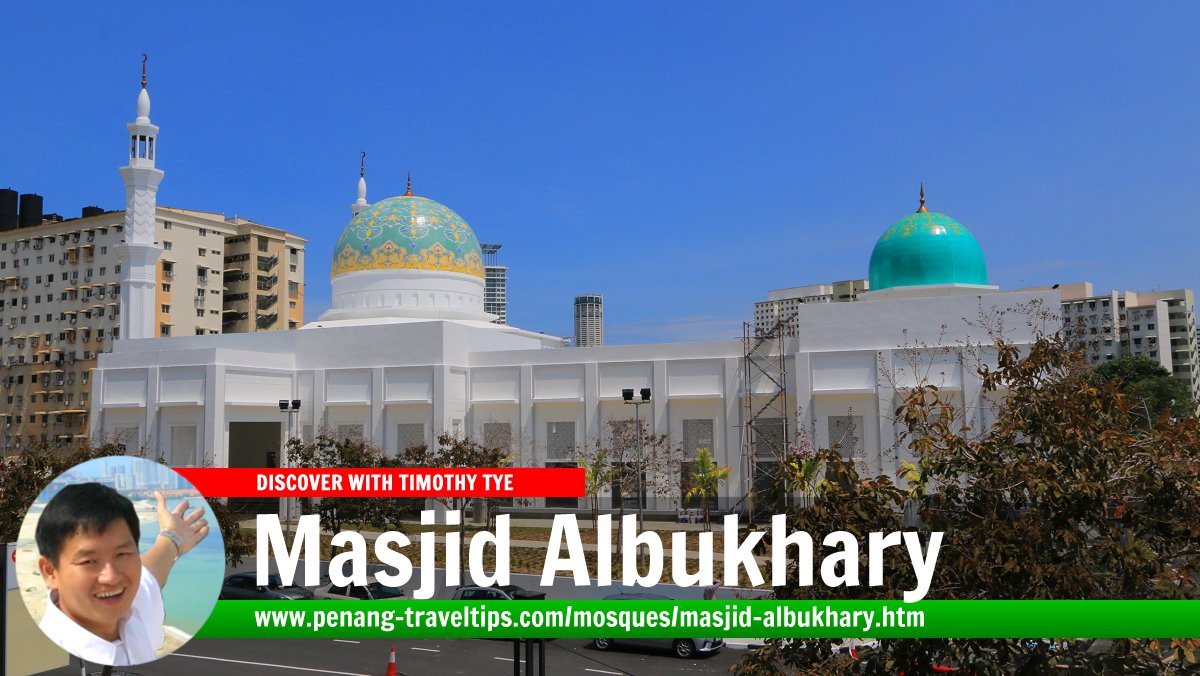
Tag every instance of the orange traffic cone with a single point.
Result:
(392, 663)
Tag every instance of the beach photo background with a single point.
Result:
(195, 581)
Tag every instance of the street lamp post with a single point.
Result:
(627, 396)
(290, 407)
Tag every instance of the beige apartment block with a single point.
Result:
(60, 297)
(264, 279)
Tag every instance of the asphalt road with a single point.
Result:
(369, 657)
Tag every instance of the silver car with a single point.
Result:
(682, 647)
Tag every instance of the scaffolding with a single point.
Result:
(765, 413)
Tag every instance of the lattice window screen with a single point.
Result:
(183, 445)
(697, 434)
(410, 435)
(560, 440)
(846, 431)
(497, 434)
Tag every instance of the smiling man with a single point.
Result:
(105, 601)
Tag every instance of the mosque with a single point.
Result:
(407, 352)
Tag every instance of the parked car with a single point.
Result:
(245, 586)
(508, 592)
(370, 592)
(682, 647)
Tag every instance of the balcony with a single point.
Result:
(267, 283)
(265, 302)
(265, 320)
(266, 264)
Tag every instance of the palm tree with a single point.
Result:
(706, 479)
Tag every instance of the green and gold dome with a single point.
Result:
(927, 248)
(407, 233)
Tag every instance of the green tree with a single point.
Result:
(706, 481)
(1150, 388)
(457, 452)
(599, 473)
(348, 452)
(1066, 496)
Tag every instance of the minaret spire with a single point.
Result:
(922, 209)
(140, 251)
(361, 202)
(409, 193)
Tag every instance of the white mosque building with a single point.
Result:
(407, 352)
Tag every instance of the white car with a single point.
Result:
(686, 648)
(371, 592)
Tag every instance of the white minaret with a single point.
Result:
(139, 253)
(361, 202)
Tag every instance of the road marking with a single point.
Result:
(601, 671)
(506, 659)
(268, 664)
(428, 650)
(342, 640)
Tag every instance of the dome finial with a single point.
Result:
(409, 193)
(144, 57)
(361, 202)
(922, 209)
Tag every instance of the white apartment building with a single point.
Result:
(1158, 325)
(783, 303)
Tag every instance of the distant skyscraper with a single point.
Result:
(495, 292)
(589, 320)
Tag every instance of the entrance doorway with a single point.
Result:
(254, 444)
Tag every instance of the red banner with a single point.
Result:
(397, 482)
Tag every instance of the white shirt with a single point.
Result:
(140, 630)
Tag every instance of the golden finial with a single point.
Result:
(362, 165)
(409, 193)
(144, 57)
(922, 209)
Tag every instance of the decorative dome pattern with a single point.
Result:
(927, 248)
(408, 233)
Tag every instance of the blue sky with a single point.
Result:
(680, 158)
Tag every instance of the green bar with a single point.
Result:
(755, 619)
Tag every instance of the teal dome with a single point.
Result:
(926, 248)
(407, 233)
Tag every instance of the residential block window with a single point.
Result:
(166, 246)
(166, 309)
